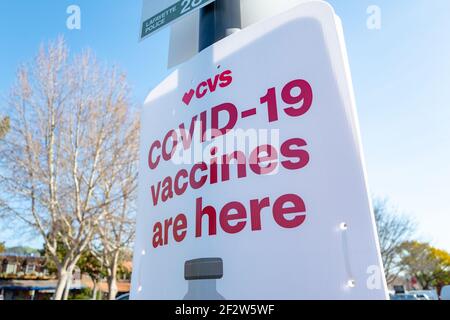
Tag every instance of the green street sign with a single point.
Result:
(157, 14)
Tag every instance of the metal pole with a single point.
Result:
(218, 20)
(207, 32)
(228, 18)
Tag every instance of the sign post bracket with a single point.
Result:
(218, 20)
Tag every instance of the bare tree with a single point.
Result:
(116, 231)
(393, 230)
(70, 129)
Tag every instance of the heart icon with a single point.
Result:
(188, 97)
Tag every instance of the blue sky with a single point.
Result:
(401, 76)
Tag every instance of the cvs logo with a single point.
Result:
(222, 80)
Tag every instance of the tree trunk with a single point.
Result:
(68, 285)
(63, 276)
(112, 277)
(94, 289)
(112, 286)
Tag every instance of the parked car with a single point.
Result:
(422, 296)
(426, 294)
(404, 296)
(125, 296)
(445, 293)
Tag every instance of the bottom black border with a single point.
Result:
(224, 310)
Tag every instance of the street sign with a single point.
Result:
(157, 14)
(252, 182)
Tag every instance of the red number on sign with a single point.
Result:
(271, 99)
(305, 94)
(302, 100)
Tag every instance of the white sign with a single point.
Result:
(157, 14)
(184, 35)
(252, 183)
